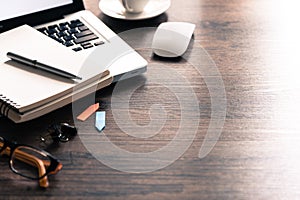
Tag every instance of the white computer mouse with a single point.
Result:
(171, 39)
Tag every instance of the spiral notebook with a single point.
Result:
(27, 93)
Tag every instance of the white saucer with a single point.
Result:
(113, 8)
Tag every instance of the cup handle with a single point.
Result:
(124, 2)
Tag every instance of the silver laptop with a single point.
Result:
(67, 22)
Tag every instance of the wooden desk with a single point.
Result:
(255, 47)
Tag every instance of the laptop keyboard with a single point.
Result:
(74, 34)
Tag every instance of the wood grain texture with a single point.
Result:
(254, 44)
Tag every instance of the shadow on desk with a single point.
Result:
(119, 25)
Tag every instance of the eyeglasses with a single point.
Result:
(30, 162)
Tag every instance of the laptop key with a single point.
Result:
(53, 36)
(64, 24)
(62, 28)
(59, 40)
(42, 30)
(84, 33)
(98, 43)
(86, 45)
(77, 49)
(73, 25)
(52, 26)
(80, 24)
(68, 43)
(76, 21)
(73, 31)
(61, 34)
(85, 39)
(76, 24)
(83, 28)
(51, 31)
(68, 37)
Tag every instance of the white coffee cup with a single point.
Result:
(134, 6)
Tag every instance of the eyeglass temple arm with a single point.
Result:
(43, 182)
(40, 164)
(34, 161)
(45, 163)
(31, 160)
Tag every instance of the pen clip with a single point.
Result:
(34, 63)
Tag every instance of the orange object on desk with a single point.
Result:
(88, 112)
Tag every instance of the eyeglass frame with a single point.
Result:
(53, 168)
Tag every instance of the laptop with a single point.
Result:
(68, 23)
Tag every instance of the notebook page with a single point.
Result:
(27, 87)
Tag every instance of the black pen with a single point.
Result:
(37, 65)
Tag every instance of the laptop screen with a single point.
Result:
(16, 8)
(15, 13)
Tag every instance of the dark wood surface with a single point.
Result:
(255, 45)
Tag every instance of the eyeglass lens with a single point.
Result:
(29, 162)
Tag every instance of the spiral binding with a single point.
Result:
(6, 105)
